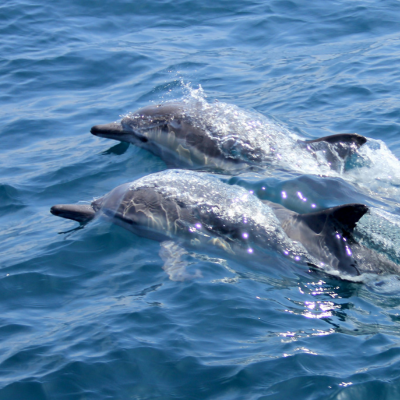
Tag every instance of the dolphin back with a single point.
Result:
(327, 235)
(333, 231)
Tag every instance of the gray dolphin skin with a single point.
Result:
(207, 213)
(217, 136)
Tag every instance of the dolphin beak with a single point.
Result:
(109, 131)
(77, 212)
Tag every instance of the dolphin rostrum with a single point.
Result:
(222, 137)
(207, 213)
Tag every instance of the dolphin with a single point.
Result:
(221, 137)
(204, 212)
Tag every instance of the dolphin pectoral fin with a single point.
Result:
(347, 138)
(81, 213)
(174, 264)
(343, 217)
(113, 130)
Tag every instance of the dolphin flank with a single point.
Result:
(207, 213)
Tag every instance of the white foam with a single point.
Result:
(250, 136)
(380, 230)
(376, 169)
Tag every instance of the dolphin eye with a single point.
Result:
(143, 139)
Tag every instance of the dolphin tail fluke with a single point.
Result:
(343, 218)
(348, 138)
(81, 213)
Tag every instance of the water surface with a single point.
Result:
(90, 314)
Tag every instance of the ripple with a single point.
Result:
(91, 314)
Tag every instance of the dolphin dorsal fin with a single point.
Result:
(343, 217)
(350, 138)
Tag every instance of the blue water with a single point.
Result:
(90, 314)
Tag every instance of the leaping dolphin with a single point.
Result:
(198, 135)
(203, 211)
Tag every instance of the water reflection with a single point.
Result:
(316, 309)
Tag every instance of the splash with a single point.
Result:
(253, 138)
(379, 230)
(376, 169)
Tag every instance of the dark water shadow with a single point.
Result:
(118, 149)
(71, 231)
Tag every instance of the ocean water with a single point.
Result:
(90, 313)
